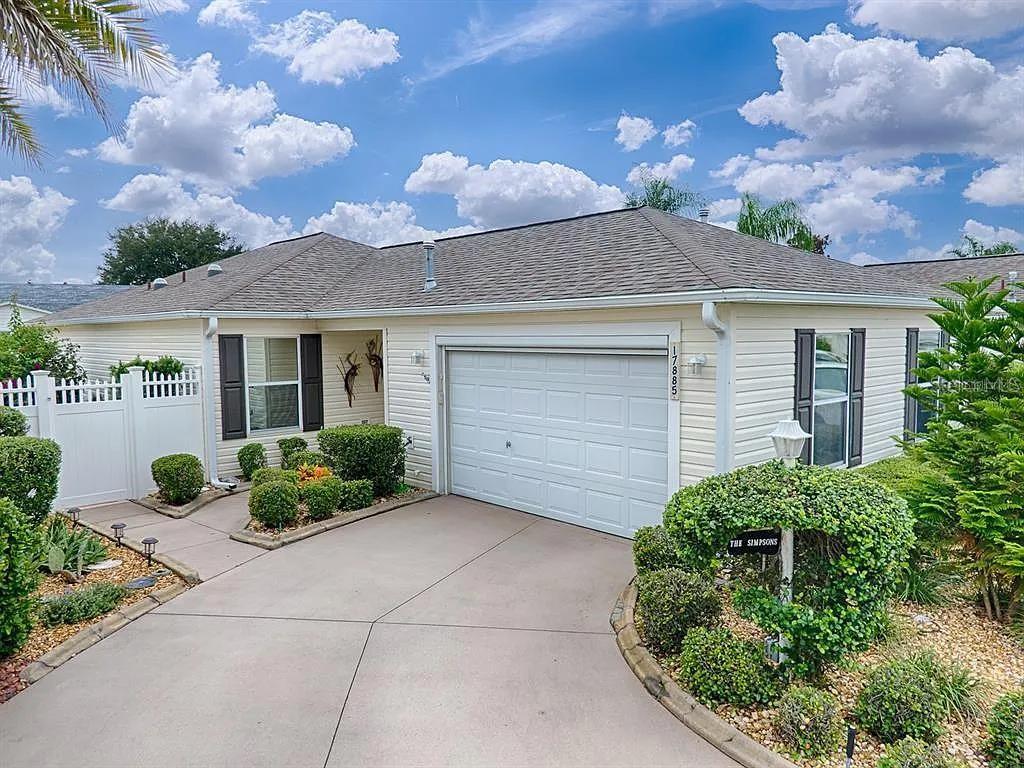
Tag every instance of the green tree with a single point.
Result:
(971, 247)
(160, 247)
(27, 348)
(658, 193)
(780, 222)
(76, 47)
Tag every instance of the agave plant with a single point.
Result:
(64, 548)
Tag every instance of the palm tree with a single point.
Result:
(75, 47)
(659, 193)
(780, 222)
(972, 247)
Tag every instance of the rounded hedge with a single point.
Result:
(251, 457)
(914, 753)
(719, 668)
(670, 602)
(179, 477)
(298, 458)
(274, 474)
(373, 452)
(322, 497)
(290, 445)
(19, 540)
(653, 549)
(808, 721)
(356, 494)
(901, 698)
(12, 422)
(29, 471)
(852, 537)
(1005, 743)
(274, 504)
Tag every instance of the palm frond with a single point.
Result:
(16, 135)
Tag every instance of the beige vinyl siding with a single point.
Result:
(103, 345)
(765, 366)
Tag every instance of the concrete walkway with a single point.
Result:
(446, 633)
(199, 540)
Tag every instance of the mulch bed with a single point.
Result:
(303, 519)
(44, 639)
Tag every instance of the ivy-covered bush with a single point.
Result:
(900, 698)
(719, 668)
(356, 494)
(12, 422)
(808, 721)
(852, 536)
(82, 604)
(251, 456)
(914, 753)
(18, 576)
(290, 445)
(167, 365)
(322, 497)
(274, 504)
(670, 603)
(29, 470)
(274, 475)
(179, 476)
(653, 549)
(373, 452)
(298, 458)
(1005, 743)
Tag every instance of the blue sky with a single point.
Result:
(898, 125)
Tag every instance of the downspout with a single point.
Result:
(209, 416)
(723, 386)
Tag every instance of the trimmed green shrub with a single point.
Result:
(82, 604)
(29, 470)
(12, 422)
(719, 668)
(852, 537)
(356, 494)
(274, 504)
(274, 474)
(808, 721)
(290, 445)
(322, 497)
(914, 753)
(298, 458)
(251, 456)
(653, 549)
(901, 698)
(18, 576)
(167, 365)
(1005, 743)
(373, 452)
(179, 477)
(670, 602)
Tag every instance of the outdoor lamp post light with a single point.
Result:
(149, 545)
(73, 513)
(118, 532)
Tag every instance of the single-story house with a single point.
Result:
(582, 369)
(36, 300)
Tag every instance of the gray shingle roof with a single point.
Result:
(53, 297)
(938, 271)
(629, 252)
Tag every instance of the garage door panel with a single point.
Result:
(565, 501)
(527, 402)
(605, 459)
(565, 453)
(529, 446)
(563, 406)
(493, 399)
(648, 413)
(605, 409)
(607, 508)
(647, 466)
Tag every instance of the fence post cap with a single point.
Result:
(41, 372)
(136, 368)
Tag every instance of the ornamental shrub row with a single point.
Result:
(290, 445)
(179, 477)
(251, 457)
(298, 458)
(670, 603)
(373, 452)
(653, 549)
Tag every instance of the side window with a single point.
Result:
(272, 381)
(917, 413)
(830, 426)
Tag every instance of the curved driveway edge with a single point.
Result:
(694, 715)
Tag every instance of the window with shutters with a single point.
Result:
(272, 382)
(831, 423)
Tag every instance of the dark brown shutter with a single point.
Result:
(909, 404)
(803, 400)
(857, 339)
(232, 386)
(312, 375)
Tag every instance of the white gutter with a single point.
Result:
(209, 417)
(724, 367)
(731, 295)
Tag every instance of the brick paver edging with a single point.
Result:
(200, 501)
(92, 634)
(189, 574)
(698, 718)
(271, 541)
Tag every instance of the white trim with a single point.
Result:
(209, 399)
(19, 305)
(725, 401)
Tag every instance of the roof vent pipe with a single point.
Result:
(214, 269)
(159, 283)
(703, 213)
(428, 256)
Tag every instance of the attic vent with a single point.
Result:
(428, 254)
(214, 269)
(704, 213)
(159, 283)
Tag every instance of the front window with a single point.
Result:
(831, 399)
(272, 381)
(927, 341)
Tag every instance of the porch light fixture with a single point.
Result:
(118, 532)
(789, 438)
(74, 514)
(697, 363)
(418, 357)
(149, 547)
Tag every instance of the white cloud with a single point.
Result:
(319, 49)
(64, 169)
(154, 195)
(679, 134)
(989, 235)
(670, 170)
(78, 152)
(228, 13)
(728, 206)
(1000, 185)
(881, 97)
(842, 212)
(862, 259)
(634, 132)
(377, 223)
(199, 130)
(775, 181)
(166, 6)
(29, 217)
(35, 94)
(507, 192)
(945, 20)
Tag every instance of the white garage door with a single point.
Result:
(577, 437)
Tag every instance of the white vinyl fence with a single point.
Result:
(110, 431)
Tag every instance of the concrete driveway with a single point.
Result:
(446, 633)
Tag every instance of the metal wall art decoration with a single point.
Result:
(376, 361)
(349, 369)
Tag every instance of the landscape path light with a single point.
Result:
(149, 546)
(118, 529)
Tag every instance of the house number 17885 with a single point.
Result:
(673, 371)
